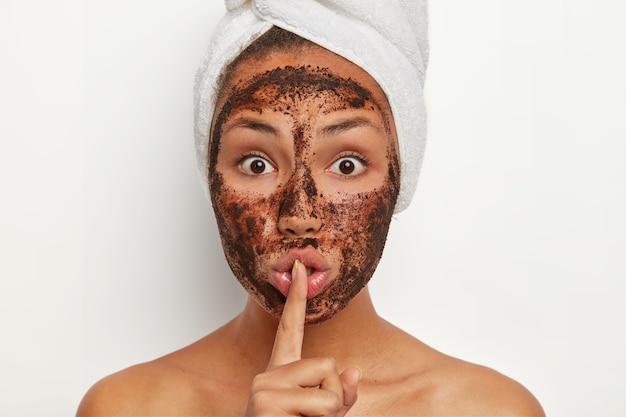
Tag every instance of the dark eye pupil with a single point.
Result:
(257, 166)
(346, 167)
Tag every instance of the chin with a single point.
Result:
(318, 309)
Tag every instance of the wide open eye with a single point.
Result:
(256, 165)
(348, 166)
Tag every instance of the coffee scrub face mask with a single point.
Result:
(303, 165)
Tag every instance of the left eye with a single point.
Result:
(255, 165)
(348, 165)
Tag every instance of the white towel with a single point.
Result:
(388, 39)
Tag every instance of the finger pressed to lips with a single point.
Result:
(292, 385)
(290, 331)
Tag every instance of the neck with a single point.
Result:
(358, 325)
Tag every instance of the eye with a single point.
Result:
(348, 165)
(256, 165)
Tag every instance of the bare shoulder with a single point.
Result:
(488, 392)
(138, 390)
(464, 388)
(186, 382)
(122, 393)
(424, 381)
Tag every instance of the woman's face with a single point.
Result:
(303, 165)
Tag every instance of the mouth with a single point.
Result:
(317, 270)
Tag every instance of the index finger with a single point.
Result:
(290, 332)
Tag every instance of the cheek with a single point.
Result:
(243, 220)
(360, 221)
(244, 223)
(361, 227)
(358, 227)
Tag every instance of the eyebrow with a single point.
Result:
(256, 125)
(345, 125)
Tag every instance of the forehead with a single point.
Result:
(312, 69)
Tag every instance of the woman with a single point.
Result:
(308, 158)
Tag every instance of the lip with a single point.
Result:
(309, 257)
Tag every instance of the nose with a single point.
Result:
(297, 215)
(299, 226)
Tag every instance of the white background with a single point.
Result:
(511, 255)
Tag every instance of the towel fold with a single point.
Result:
(387, 39)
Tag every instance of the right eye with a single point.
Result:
(256, 165)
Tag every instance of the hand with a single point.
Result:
(292, 386)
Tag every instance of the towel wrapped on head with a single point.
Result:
(387, 39)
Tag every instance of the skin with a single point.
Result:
(301, 142)
(270, 360)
